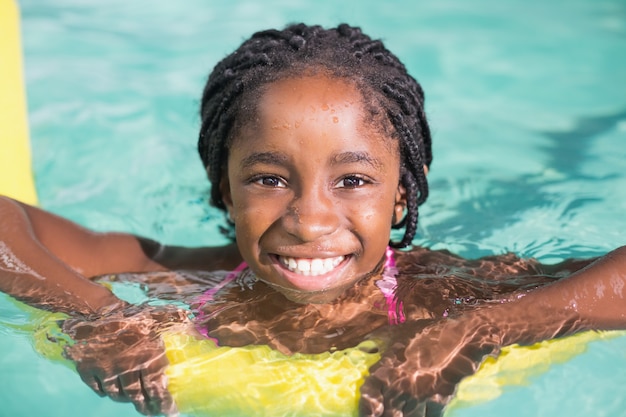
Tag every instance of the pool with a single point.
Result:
(527, 102)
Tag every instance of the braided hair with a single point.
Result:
(392, 95)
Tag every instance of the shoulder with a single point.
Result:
(420, 260)
(436, 283)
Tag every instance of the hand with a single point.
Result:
(121, 355)
(418, 374)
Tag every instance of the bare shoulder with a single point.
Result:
(425, 260)
(437, 283)
(493, 267)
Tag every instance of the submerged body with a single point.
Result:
(424, 286)
(331, 345)
(427, 285)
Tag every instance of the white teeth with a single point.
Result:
(290, 263)
(317, 265)
(311, 267)
(329, 263)
(304, 266)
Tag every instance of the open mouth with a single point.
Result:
(310, 267)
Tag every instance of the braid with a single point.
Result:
(389, 91)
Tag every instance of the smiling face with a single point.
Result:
(312, 187)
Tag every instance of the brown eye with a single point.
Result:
(270, 181)
(351, 181)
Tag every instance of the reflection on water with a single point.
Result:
(569, 148)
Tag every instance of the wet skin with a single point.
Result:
(312, 185)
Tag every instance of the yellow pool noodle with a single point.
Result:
(16, 176)
(206, 380)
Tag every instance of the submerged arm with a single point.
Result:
(46, 260)
(426, 359)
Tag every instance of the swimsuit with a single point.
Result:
(387, 286)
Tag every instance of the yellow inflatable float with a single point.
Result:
(16, 178)
(208, 380)
(205, 379)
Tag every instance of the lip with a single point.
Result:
(312, 283)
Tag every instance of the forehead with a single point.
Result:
(312, 122)
(316, 101)
(316, 96)
(310, 100)
(311, 88)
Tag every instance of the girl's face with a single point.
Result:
(312, 187)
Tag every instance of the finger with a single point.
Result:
(92, 380)
(154, 384)
(95, 384)
(148, 395)
(158, 399)
(113, 388)
(130, 388)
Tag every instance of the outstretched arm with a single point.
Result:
(591, 298)
(38, 264)
(426, 359)
(45, 260)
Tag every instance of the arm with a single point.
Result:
(92, 253)
(45, 260)
(419, 373)
(46, 276)
(592, 298)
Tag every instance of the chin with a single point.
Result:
(310, 297)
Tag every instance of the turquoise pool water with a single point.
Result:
(527, 101)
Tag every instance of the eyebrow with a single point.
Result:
(356, 157)
(268, 158)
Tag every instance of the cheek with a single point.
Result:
(375, 218)
(253, 216)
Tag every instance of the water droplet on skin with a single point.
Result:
(325, 107)
(335, 119)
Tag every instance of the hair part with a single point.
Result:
(390, 95)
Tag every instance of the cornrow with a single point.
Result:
(345, 52)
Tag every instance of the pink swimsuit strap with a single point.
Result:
(209, 295)
(388, 285)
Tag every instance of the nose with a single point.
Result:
(312, 214)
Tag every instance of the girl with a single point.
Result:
(316, 145)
